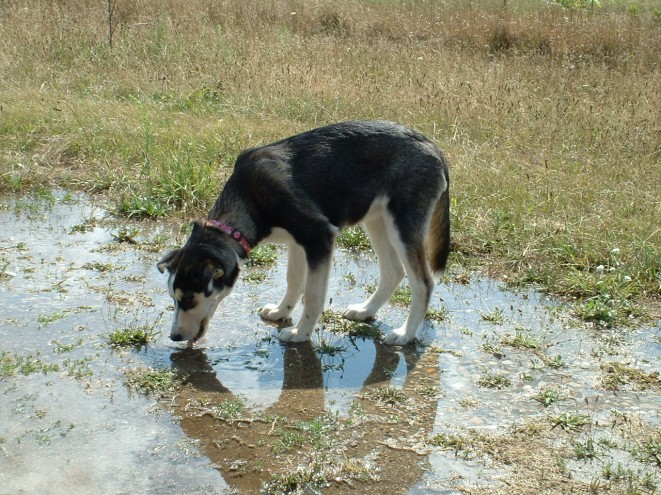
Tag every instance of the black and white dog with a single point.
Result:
(301, 191)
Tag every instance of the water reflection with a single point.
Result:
(240, 445)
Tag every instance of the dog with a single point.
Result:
(301, 191)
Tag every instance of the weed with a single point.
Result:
(132, 336)
(495, 317)
(229, 409)
(153, 382)
(12, 364)
(449, 441)
(649, 451)
(632, 479)
(440, 314)
(333, 321)
(60, 348)
(264, 255)
(494, 381)
(101, 267)
(522, 340)
(302, 480)
(442, 350)
(402, 296)
(584, 450)
(388, 396)
(569, 421)
(79, 368)
(354, 239)
(549, 396)
(124, 235)
(616, 375)
(329, 346)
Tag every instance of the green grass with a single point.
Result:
(354, 239)
(136, 336)
(264, 255)
(333, 321)
(153, 382)
(524, 93)
(14, 364)
(570, 421)
(495, 381)
(549, 396)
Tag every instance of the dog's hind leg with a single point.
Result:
(391, 272)
(296, 274)
(420, 280)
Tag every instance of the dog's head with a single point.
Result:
(201, 274)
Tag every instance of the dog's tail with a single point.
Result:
(439, 233)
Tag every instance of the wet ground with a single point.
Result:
(461, 411)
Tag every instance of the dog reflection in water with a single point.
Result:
(234, 445)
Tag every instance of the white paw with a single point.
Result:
(398, 337)
(292, 334)
(357, 312)
(273, 312)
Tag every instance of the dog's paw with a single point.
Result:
(397, 337)
(357, 312)
(292, 334)
(273, 312)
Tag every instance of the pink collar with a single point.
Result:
(231, 231)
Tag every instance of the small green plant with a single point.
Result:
(495, 316)
(549, 396)
(584, 450)
(329, 346)
(333, 321)
(389, 396)
(616, 375)
(354, 239)
(632, 479)
(649, 451)
(402, 296)
(264, 255)
(302, 480)
(100, 267)
(229, 409)
(124, 235)
(440, 314)
(494, 381)
(12, 364)
(132, 336)
(522, 340)
(153, 382)
(569, 421)
(452, 441)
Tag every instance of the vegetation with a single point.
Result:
(136, 336)
(545, 111)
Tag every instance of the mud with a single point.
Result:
(339, 415)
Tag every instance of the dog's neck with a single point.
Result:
(232, 231)
(235, 216)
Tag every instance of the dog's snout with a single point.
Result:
(177, 337)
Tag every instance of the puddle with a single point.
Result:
(71, 426)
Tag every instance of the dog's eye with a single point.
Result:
(187, 302)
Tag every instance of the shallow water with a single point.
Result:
(67, 281)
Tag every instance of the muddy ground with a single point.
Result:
(502, 392)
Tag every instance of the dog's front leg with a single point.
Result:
(296, 272)
(313, 304)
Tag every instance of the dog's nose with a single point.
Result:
(176, 337)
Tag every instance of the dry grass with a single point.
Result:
(548, 115)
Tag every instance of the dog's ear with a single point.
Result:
(169, 261)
